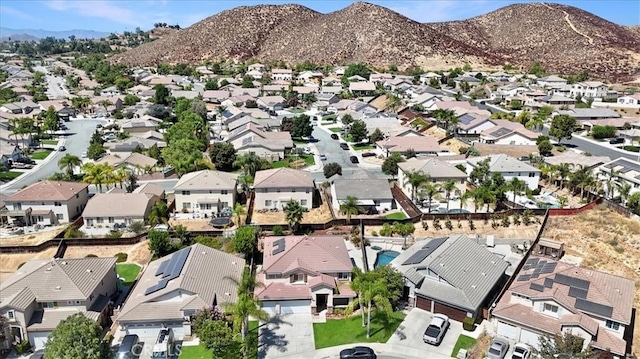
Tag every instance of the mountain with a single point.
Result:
(18, 37)
(564, 39)
(41, 34)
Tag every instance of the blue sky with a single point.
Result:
(120, 15)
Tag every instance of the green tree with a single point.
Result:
(183, 155)
(537, 69)
(562, 126)
(239, 211)
(68, 162)
(161, 95)
(358, 131)
(130, 100)
(566, 345)
(331, 169)
(293, 213)
(247, 82)
(544, 145)
(390, 164)
(159, 213)
(159, 243)
(404, 230)
(415, 180)
(633, 203)
(301, 126)
(448, 187)
(211, 84)
(376, 136)
(428, 190)
(244, 240)
(480, 173)
(350, 207)
(250, 163)
(223, 155)
(77, 337)
(517, 186)
(219, 337)
(51, 122)
(346, 119)
(373, 291)
(358, 69)
(247, 305)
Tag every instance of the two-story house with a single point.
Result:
(622, 171)
(251, 138)
(281, 74)
(509, 168)
(48, 202)
(305, 275)
(275, 187)
(632, 101)
(44, 292)
(206, 192)
(174, 287)
(549, 297)
(589, 89)
(116, 209)
(508, 133)
(373, 194)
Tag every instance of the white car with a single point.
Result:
(521, 351)
(84, 155)
(436, 330)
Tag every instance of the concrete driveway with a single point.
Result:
(289, 335)
(410, 331)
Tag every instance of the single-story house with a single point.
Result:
(373, 195)
(509, 168)
(437, 169)
(508, 133)
(422, 145)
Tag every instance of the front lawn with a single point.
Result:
(296, 110)
(631, 148)
(41, 154)
(363, 146)
(329, 118)
(463, 342)
(6, 176)
(335, 129)
(350, 330)
(288, 161)
(49, 142)
(397, 215)
(195, 352)
(128, 272)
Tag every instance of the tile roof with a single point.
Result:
(48, 191)
(119, 205)
(502, 163)
(327, 254)
(434, 167)
(58, 279)
(198, 277)
(207, 179)
(283, 178)
(20, 300)
(283, 291)
(420, 144)
(362, 188)
(150, 188)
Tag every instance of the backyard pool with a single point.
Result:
(384, 257)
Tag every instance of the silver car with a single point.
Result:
(436, 329)
(498, 349)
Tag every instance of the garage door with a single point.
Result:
(451, 312)
(423, 303)
(508, 331)
(284, 307)
(529, 337)
(150, 331)
(38, 339)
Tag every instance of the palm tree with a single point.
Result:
(563, 170)
(293, 212)
(249, 162)
(444, 116)
(415, 180)
(373, 291)
(105, 104)
(464, 198)
(448, 187)
(350, 207)
(94, 174)
(357, 284)
(562, 201)
(247, 304)
(239, 210)
(610, 177)
(517, 186)
(120, 175)
(624, 188)
(68, 162)
(159, 213)
(535, 123)
(524, 117)
(428, 190)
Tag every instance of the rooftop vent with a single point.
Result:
(89, 271)
(48, 269)
(58, 287)
(227, 294)
(203, 252)
(63, 263)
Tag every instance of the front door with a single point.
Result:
(321, 302)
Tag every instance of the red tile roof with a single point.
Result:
(318, 254)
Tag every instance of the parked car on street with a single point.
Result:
(498, 349)
(616, 140)
(323, 157)
(344, 145)
(354, 159)
(62, 148)
(521, 351)
(368, 154)
(334, 136)
(436, 330)
(358, 353)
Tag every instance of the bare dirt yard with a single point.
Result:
(606, 241)
(137, 253)
(32, 238)
(201, 224)
(436, 132)
(454, 145)
(315, 215)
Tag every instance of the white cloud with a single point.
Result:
(441, 10)
(9, 11)
(108, 10)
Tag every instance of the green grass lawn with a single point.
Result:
(335, 129)
(49, 142)
(463, 342)
(308, 160)
(195, 352)
(6, 176)
(397, 215)
(344, 331)
(128, 272)
(300, 142)
(631, 148)
(348, 137)
(41, 154)
(329, 118)
(363, 146)
(418, 122)
(296, 110)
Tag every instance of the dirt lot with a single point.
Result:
(605, 241)
(517, 232)
(138, 253)
(200, 224)
(315, 215)
(436, 132)
(31, 239)
(454, 145)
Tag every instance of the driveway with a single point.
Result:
(410, 331)
(289, 335)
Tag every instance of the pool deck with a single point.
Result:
(356, 253)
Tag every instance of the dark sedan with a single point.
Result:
(358, 353)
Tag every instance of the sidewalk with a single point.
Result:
(39, 163)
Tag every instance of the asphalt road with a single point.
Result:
(594, 148)
(56, 87)
(76, 142)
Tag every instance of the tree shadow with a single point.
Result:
(270, 339)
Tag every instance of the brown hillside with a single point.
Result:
(564, 38)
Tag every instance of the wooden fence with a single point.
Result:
(57, 243)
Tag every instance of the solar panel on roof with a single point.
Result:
(532, 261)
(595, 308)
(426, 250)
(572, 281)
(501, 132)
(465, 119)
(523, 278)
(526, 267)
(160, 285)
(548, 282)
(161, 267)
(278, 246)
(535, 274)
(536, 287)
(577, 293)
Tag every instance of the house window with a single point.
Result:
(59, 216)
(186, 205)
(186, 193)
(100, 220)
(17, 206)
(298, 277)
(344, 275)
(306, 191)
(274, 276)
(303, 202)
(57, 204)
(111, 220)
(532, 174)
(205, 205)
(224, 192)
(267, 203)
(11, 315)
(49, 305)
(225, 204)
(610, 324)
(550, 308)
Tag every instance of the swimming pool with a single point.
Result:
(384, 257)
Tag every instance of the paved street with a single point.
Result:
(76, 142)
(595, 148)
(56, 87)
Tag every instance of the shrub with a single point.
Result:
(505, 221)
(448, 224)
(471, 225)
(137, 227)
(22, 347)
(468, 324)
(121, 257)
(613, 242)
(374, 233)
(516, 219)
(277, 230)
(72, 232)
(436, 224)
(114, 234)
(386, 230)
(91, 256)
(599, 132)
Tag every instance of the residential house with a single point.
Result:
(109, 91)
(451, 275)
(174, 288)
(281, 74)
(118, 210)
(333, 90)
(575, 159)
(21, 108)
(631, 101)
(589, 89)
(253, 139)
(275, 187)
(268, 124)
(185, 93)
(438, 170)
(43, 292)
(125, 148)
(140, 125)
(623, 171)
(151, 188)
(472, 81)
(551, 81)
(549, 298)
(24, 140)
(373, 194)
(308, 76)
(135, 162)
(508, 133)
(426, 78)
(48, 202)
(10, 154)
(362, 88)
(498, 77)
(472, 124)
(257, 67)
(422, 145)
(589, 113)
(305, 275)
(207, 192)
(138, 89)
(509, 168)
(271, 103)
(555, 101)
(113, 103)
